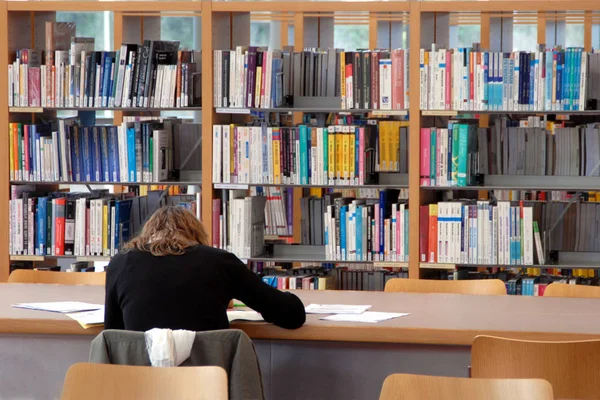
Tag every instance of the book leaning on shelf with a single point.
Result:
(256, 77)
(239, 223)
(155, 74)
(80, 224)
(305, 155)
(453, 156)
(474, 79)
(142, 150)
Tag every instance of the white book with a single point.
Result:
(173, 86)
(217, 151)
(527, 235)
(441, 236)
(394, 218)
(160, 73)
(160, 172)
(98, 94)
(320, 172)
(126, 87)
(232, 78)
(403, 249)
(55, 161)
(226, 129)
(432, 78)
(583, 81)
(537, 84)
(385, 84)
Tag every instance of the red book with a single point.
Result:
(425, 154)
(34, 89)
(423, 233)
(349, 85)
(216, 218)
(59, 225)
(542, 288)
(433, 232)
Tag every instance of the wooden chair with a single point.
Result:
(482, 286)
(566, 290)
(62, 278)
(120, 382)
(422, 387)
(571, 367)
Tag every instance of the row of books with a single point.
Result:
(256, 77)
(454, 156)
(156, 74)
(81, 224)
(480, 233)
(337, 155)
(473, 79)
(366, 229)
(239, 223)
(341, 278)
(147, 150)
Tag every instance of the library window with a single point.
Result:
(467, 35)
(260, 33)
(351, 37)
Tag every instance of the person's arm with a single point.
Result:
(280, 308)
(113, 316)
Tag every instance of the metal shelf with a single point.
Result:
(453, 113)
(167, 183)
(17, 257)
(315, 110)
(530, 182)
(449, 266)
(38, 110)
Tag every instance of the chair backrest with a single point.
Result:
(565, 290)
(62, 278)
(571, 367)
(422, 387)
(120, 382)
(475, 286)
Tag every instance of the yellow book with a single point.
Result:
(343, 78)
(383, 146)
(276, 155)
(331, 140)
(339, 142)
(143, 190)
(352, 155)
(346, 153)
(10, 147)
(105, 229)
(258, 79)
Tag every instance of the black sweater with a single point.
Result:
(190, 292)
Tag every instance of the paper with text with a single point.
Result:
(336, 309)
(88, 319)
(60, 306)
(368, 316)
(244, 316)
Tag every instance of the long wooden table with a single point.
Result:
(322, 360)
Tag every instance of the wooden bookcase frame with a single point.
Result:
(230, 21)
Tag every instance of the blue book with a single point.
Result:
(96, 147)
(86, 153)
(277, 83)
(577, 79)
(559, 79)
(106, 77)
(105, 176)
(122, 222)
(567, 79)
(270, 280)
(343, 212)
(486, 79)
(113, 81)
(113, 154)
(532, 83)
(41, 221)
(303, 155)
(131, 157)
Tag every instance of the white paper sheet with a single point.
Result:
(60, 306)
(237, 315)
(368, 316)
(88, 319)
(335, 309)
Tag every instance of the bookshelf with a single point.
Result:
(227, 24)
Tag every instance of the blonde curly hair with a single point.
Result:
(169, 231)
